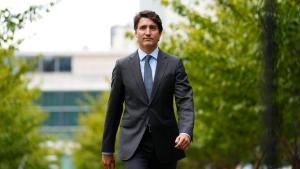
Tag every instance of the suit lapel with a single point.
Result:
(134, 64)
(159, 72)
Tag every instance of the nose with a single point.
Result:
(148, 31)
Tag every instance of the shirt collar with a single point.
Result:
(143, 54)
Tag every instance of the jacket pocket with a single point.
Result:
(126, 123)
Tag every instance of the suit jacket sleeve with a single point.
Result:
(114, 110)
(184, 101)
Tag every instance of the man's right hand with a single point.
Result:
(108, 161)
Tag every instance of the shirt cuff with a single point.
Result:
(107, 153)
(186, 134)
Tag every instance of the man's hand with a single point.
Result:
(182, 142)
(108, 161)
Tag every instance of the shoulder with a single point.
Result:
(169, 56)
(125, 59)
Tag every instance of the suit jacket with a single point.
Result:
(127, 85)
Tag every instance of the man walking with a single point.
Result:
(147, 81)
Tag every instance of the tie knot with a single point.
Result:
(148, 57)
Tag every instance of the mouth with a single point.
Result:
(147, 39)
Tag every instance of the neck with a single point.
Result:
(148, 50)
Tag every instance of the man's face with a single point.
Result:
(148, 34)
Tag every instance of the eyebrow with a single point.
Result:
(153, 25)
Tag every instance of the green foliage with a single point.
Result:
(287, 80)
(21, 141)
(20, 118)
(88, 154)
(223, 57)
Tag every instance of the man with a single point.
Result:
(147, 81)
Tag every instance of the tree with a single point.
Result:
(88, 154)
(287, 79)
(223, 57)
(21, 138)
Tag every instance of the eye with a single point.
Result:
(142, 27)
(153, 27)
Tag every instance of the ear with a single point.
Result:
(159, 36)
(135, 34)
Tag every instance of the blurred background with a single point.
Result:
(242, 58)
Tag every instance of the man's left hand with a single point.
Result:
(182, 142)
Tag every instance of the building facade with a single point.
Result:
(64, 79)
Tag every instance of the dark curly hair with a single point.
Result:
(148, 14)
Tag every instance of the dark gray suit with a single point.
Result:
(127, 85)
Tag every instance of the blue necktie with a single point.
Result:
(148, 81)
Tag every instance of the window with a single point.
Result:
(63, 107)
(64, 64)
(70, 118)
(52, 119)
(48, 64)
(70, 98)
(49, 99)
(51, 64)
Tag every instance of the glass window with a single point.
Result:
(70, 118)
(73, 98)
(48, 64)
(52, 119)
(64, 107)
(64, 64)
(70, 98)
(50, 99)
(95, 95)
(84, 95)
